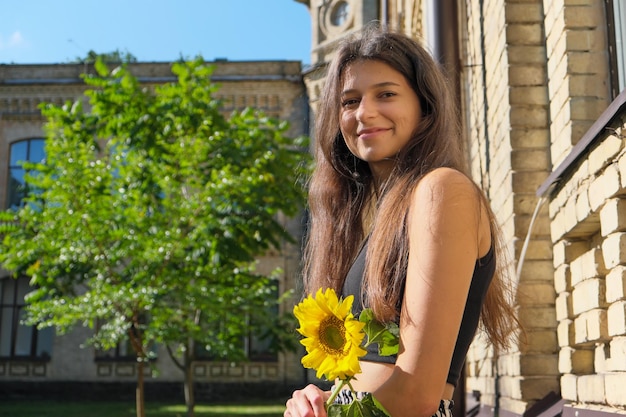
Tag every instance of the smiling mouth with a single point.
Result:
(370, 132)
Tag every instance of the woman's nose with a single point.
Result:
(365, 110)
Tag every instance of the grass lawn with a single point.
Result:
(127, 409)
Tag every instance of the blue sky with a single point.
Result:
(57, 31)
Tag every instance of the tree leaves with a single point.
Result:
(153, 204)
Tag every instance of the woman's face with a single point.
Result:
(379, 112)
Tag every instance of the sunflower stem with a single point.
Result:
(335, 391)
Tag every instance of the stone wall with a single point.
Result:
(588, 214)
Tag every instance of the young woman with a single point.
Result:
(396, 221)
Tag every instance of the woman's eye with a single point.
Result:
(387, 94)
(349, 102)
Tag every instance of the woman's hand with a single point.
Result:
(307, 402)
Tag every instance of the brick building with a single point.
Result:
(540, 85)
(30, 358)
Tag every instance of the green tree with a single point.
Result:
(113, 57)
(148, 214)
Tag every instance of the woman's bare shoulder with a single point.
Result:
(446, 183)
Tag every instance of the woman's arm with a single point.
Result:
(448, 231)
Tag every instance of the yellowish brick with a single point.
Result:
(527, 181)
(530, 159)
(591, 327)
(569, 387)
(536, 293)
(526, 54)
(566, 331)
(558, 254)
(537, 270)
(535, 387)
(583, 209)
(537, 317)
(605, 186)
(601, 356)
(585, 62)
(523, 12)
(539, 341)
(583, 17)
(575, 361)
(589, 265)
(588, 107)
(617, 349)
(563, 306)
(613, 216)
(566, 251)
(616, 284)
(539, 249)
(509, 364)
(558, 227)
(621, 164)
(562, 279)
(513, 406)
(538, 365)
(521, 75)
(591, 388)
(614, 249)
(587, 85)
(616, 318)
(526, 116)
(586, 40)
(524, 34)
(588, 295)
(570, 219)
(607, 150)
(614, 389)
(579, 128)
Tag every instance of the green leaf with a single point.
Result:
(386, 335)
(368, 406)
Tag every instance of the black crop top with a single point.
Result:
(483, 274)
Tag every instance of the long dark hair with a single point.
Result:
(342, 189)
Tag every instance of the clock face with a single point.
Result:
(335, 17)
(339, 13)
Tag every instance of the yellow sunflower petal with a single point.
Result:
(332, 335)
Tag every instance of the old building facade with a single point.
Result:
(540, 86)
(29, 357)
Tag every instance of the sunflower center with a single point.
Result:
(332, 335)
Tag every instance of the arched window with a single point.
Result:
(28, 150)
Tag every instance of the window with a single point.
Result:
(29, 150)
(123, 352)
(257, 346)
(19, 341)
(616, 16)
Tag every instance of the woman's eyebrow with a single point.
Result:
(378, 85)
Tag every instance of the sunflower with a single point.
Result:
(332, 336)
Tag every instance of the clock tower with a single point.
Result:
(332, 20)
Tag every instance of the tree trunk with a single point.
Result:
(139, 392)
(189, 394)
